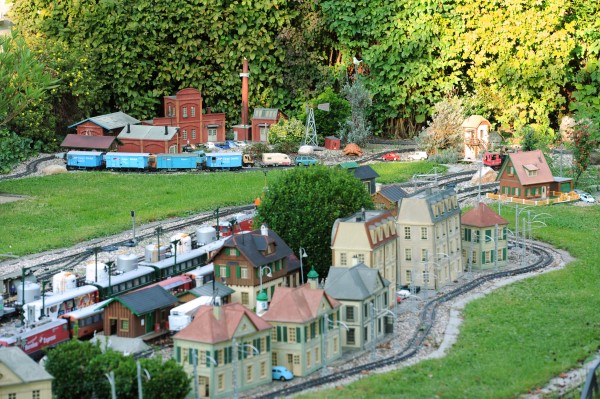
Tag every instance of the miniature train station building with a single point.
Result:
(306, 329)
(262, 120)
(370, 236)
(526, 175)
(139, 313)
(104, 125)
(364, 296)
(229, 344)
(196, 125)
(476, 136)
(150, 139)
(429, 247)
(484, 243)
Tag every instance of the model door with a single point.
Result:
(543, 192)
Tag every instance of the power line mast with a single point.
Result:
(310, 137)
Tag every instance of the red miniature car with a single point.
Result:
(390, 156)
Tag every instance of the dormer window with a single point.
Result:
(531, 170)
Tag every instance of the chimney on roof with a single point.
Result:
(208, 110)
(264, 230)
(128, 128)
(217, 312)
(166, 130)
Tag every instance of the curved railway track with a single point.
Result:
(427, 318)
(30, 169)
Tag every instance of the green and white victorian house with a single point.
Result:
(306, 330)
(484, 243)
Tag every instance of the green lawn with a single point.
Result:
(66, 209)
(517, 338)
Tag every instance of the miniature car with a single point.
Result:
(585, 197)
(390, 156)
(305, 160)
(402, 294)
(418, 156)
(281, 373)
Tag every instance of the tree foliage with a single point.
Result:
(79, 369)
(357, 128)
(332, 121)
(302, 205)
(582, 144)
(286, 131)
(444, 131)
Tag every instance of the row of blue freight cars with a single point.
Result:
(145, 161)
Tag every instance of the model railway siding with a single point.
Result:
(427, 317)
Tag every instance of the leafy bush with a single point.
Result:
(14, 149)
(286, 131)
(449, 155)
(444, 131)
(286, 148)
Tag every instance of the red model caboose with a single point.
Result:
(493, 159)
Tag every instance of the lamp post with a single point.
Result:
(95, 250)
(133, 241)
(269, 274)
(175, 243)
(112, 382)
(262, 299)
(302, 255)
(373, 318)
(158, 230)
(139, 378)
(324, 344)
(241, 347)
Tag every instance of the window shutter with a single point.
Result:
(217, 270)
(298, 334)
(238, 271)
(191, 356)
(285, 334)
(278, 333)
(208, 362)
(504, 253)
(268, 343)
(482, 257)
(178, 354)
(216, 358)
(227, 271)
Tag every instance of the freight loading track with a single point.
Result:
(427, 318)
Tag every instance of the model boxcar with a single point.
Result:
(127, 160)
(85, 160)
(176, 161)
(224, 160)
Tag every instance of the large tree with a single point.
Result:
(302, 205)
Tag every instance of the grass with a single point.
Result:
(518, 337)
(399, 172)
(62, 210)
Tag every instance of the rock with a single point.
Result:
(54, 170)
(305, 150)
(488, 175)
(353, 149)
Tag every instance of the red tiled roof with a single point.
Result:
(297, 305)
(529, 160)
(207, 328)
(482, 216)
(84, 142)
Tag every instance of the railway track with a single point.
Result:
(427, 317)
(30, 169)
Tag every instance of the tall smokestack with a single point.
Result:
(244, 75)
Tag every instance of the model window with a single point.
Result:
(184, 134)
(124, 325)
(193, 111)
(407, 233)
(423, 233)
(408, 276)
(423, 255)
(343, 259)
(184, 112)
(245, 298)
(212, 134)
(193, 134)
(407, 253)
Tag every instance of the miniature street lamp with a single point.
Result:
(302, 255)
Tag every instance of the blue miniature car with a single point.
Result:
(305, 160)
(282, 374)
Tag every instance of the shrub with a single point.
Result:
(14, 149)
(449, 155)
(256, 150)
(286, 147)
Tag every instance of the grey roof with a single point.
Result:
(112, 121)
(365, 172)
(145, 132)
(251, 244)
(207, 290)
(22, 365)
(265, 113)
(147, 300)
(393, 192)
(356, 283)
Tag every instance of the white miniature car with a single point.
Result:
(417, 156)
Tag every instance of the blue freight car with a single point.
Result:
(177, 161)
(126, 160)
(85, 160)
(224, 160)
